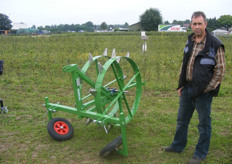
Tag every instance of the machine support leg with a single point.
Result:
(124, 151)
(49, 112)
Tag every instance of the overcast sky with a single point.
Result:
(55, 12)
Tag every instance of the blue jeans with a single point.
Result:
(186, 108)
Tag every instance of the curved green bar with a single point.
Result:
(138, 84)
(122, 87)
(87, 64)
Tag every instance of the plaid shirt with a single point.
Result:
(219, 69)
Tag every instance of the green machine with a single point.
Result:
(107, 95)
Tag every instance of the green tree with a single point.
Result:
(225, 21)
(89, 24)
(126, 25)
(166, 22)
(212, 24)
(150, 19)
(103, 26)
(181, 23)
(175, 21)
(187, 21)
(5, 22)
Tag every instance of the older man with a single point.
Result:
(202, 71)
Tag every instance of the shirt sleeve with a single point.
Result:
(219, 70)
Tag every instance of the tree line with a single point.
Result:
(148, 21)
(88, 26)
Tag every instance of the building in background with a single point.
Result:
(135, 27)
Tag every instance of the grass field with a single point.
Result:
(33, 70)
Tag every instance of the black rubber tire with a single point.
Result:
(55, 134)
(111, 147)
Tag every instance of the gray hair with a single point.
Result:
(198, 14)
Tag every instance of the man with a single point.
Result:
(202, 71)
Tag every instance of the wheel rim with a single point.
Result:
(131, 107)
(61, 127)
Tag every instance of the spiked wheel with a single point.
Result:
(116, 86)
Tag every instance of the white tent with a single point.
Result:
(219, 32)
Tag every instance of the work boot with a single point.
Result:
(169, 149)
(195, 160)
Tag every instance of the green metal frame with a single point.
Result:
(104, 100)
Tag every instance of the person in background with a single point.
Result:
(201, 74)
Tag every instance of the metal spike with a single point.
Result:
(88, 121)
(128, 54)
(100, 68)
(113, 53)
(93, 92)
(90, 58)
(118, 59)
(109, 128)
(105, 52)
(45, 114)
(105, 129)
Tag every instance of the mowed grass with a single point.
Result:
(33, 70)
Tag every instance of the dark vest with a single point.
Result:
(204, 64)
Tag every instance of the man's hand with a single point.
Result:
(179, 91)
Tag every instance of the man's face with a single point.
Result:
(198, 26)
